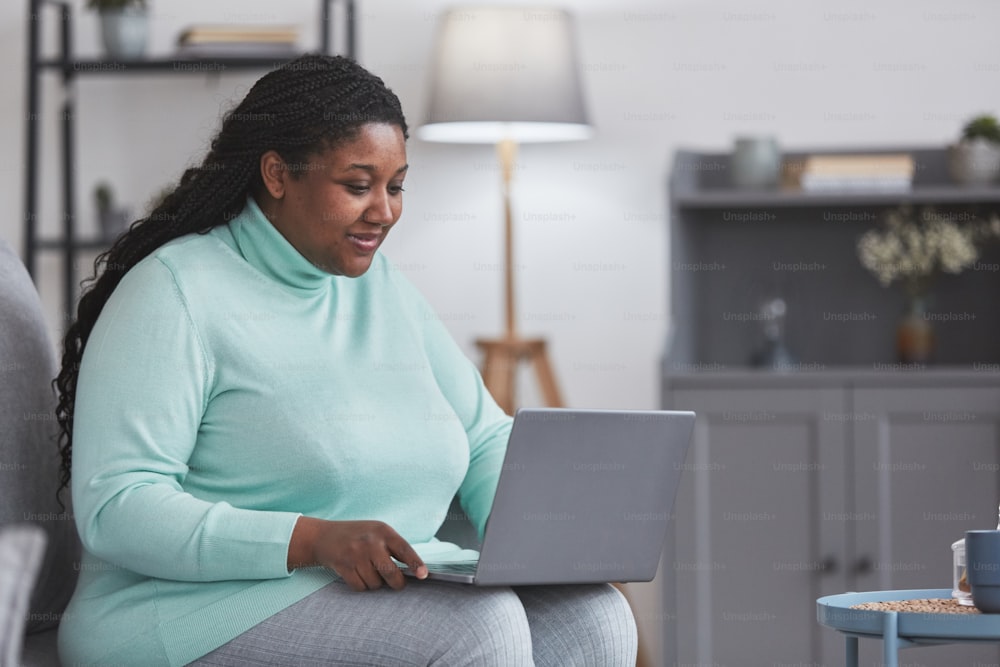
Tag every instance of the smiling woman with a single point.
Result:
(338, 208)
(250, 404)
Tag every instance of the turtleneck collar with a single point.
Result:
(263, 246)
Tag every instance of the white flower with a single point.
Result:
(914, 250)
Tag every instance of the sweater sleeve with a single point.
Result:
(143, 387)
(486, 425)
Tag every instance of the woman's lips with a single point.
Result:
(365, 242)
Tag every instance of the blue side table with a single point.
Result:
(900, 630)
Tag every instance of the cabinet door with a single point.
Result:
(753, 548)
(927, 468)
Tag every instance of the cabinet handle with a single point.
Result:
(862, 565)
(829, 565)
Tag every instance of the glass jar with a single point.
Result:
(960, 589)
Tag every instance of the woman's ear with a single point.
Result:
(273, 172)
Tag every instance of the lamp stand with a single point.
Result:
(502, 356)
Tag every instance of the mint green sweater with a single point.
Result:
(229, 387)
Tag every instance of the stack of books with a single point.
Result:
(233, 41)
(869, 173)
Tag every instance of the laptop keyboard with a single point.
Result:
(458, 567)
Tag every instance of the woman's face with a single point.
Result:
(338, 207)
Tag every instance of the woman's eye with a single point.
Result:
(395, 189)
(357, 189)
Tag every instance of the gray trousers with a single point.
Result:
(442, 624)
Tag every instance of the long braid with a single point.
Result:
(309, 105)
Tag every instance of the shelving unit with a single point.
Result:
(831, 475)
(733, 248)
(69, 70)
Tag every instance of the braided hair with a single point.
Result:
(301, 109)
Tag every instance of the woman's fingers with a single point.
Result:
(361, 553)
(405, 553)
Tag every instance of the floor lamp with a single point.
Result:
(505, 76)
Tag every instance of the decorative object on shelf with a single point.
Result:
(890, 172)
(504, 76)
(112, 220)
(912, 247)
(756, 162)
(975, 159)
(914, 333)
(124, 27)
(773, 355)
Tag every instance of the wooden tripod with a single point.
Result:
(502, 356)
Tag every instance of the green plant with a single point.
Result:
(101, 5)
(984, 126)
(103, 197)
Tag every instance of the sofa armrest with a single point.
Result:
(22, 549)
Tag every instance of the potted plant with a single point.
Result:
(975, 159)
(124, 27)
(912, 248)
(111, 219)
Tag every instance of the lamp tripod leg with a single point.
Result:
(546, 377)
(499, 367)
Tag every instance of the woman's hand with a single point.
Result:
(361, 552)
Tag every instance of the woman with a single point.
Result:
(259, 414)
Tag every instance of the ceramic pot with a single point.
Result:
(125, 32)
(974, 162)
(756, 162)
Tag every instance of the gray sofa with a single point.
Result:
(39, 549)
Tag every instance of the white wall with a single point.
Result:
(591, 217)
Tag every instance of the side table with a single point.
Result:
(900, 630)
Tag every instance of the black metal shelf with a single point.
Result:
(75, 244)
(69, 69)
(178, 65)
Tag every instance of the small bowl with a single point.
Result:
(986, 598)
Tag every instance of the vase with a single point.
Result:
(756, 162)
(914, 335)
(124, 32)
(974, 162)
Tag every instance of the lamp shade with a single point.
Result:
(505, 73)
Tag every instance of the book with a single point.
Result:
(237, 41)
(888, 172)
(238, 33)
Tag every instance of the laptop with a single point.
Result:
(584, 496)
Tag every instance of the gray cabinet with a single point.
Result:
(847, 472)
(803, 485)
(750, 552)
